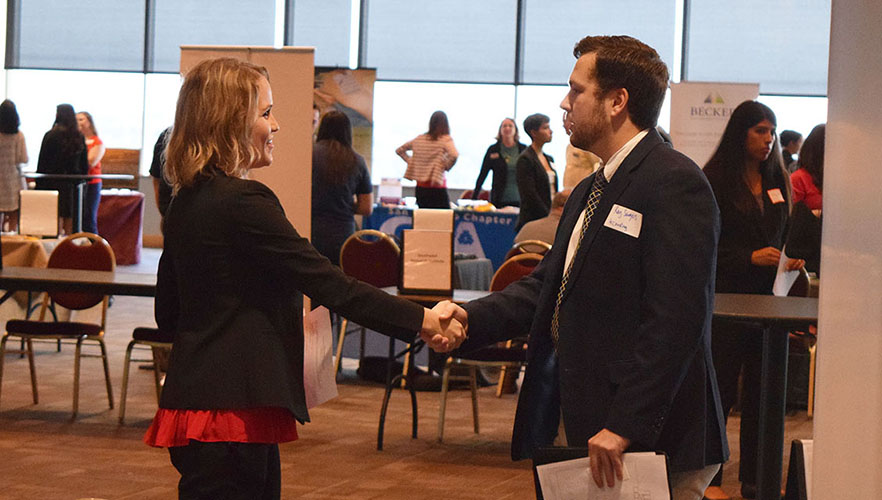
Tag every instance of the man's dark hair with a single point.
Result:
(625, 62)
(534, 122)
(789, 136)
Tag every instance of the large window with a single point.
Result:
(450, 41)
(402, 111)
(59, 34)
(325, 25)
(551, 29)
(783, 46)
(208, 22)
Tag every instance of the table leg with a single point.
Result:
(770, 449)
(77, 207)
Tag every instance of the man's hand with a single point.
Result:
(447, 310)
(605, 450)
(442, 335)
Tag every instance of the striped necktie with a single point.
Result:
(597, 188)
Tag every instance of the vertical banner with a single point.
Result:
(350, 91)
(700, 112)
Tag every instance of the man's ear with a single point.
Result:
(618, 102)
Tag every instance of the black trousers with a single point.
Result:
(227, 471)
(428, 197)
(735, 348)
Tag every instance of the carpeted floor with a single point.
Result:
(46, 456)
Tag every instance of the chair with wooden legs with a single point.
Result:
(78, 251)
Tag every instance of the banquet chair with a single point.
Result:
(508, 355)
(143, 339)
(528, 246)
(373, 257)
(78, 251)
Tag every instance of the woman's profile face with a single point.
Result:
(759, 140)
(507, 129)
(265, 125)
(83, 124)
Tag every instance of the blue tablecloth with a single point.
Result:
(485, 234)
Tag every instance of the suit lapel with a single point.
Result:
(611, 194)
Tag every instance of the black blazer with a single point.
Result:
(533, 186)
(493, 161)
(743, 232)
(634, 352)
(56, 157)
(230, 285)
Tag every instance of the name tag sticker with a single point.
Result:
(494, 156)
(776, 196)
(624, 220)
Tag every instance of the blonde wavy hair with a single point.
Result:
(216, 110)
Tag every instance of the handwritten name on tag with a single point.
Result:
(624, 220)
(776, 196)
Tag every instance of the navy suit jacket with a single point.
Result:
(634, 352)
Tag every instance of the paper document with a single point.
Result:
(784, 279)
(645, 478)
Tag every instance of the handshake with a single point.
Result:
(445, 326)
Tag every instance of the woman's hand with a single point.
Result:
(768, 256)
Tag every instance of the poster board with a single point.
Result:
(350, 91)
(700, 112)
(291, 72)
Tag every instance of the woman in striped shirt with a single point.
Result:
(433, 153)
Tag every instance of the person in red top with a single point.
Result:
(93, 188)
(809, 177)
(230, 288)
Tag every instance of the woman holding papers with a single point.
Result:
(230, 289)
(753, 192)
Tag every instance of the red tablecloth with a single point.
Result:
(119, 222)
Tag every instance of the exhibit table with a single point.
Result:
(75, 191)
(120, 215)
(484, 234)
(777, 316)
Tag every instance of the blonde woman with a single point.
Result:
(230, 289)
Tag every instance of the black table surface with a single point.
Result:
(35, 175)
(766, 308)
(106, 282)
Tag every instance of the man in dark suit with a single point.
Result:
(619, 310)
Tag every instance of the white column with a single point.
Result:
(848, 410)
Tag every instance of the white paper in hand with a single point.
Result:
(319, 379)
(645, 477)
(784, 279)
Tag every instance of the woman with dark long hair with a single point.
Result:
(753, 192)
(501, 158)
(13, 153)
(63, 151)
(341, 185)
(433, 155)
(94, 152)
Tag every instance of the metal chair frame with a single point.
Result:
(79, 338)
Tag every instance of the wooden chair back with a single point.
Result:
(121, 161)
(371, 256)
